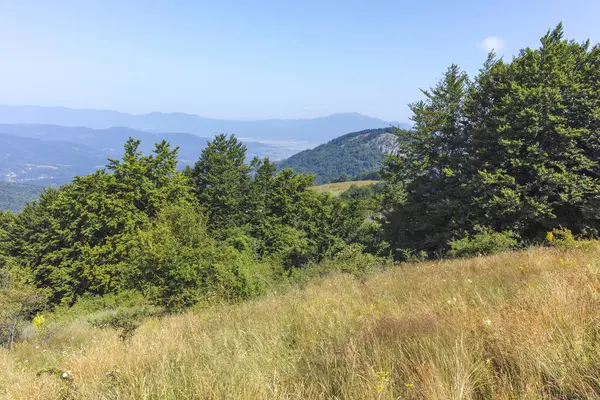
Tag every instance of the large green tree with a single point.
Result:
(428, 169)
(518, 149)
(78, 239)
(536, 138)
(221, 179)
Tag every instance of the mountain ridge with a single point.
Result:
(313, 130)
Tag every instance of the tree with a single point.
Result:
(78, 239)
(428, 169)
(536, 139)
(221, 180)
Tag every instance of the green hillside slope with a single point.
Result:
(349, 155)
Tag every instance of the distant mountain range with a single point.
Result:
(50, 145)
(345, 157)
(313, 131)
(52, 154)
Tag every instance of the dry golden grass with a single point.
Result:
(513, 326)
(340, 187)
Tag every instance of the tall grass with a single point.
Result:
(516, 325)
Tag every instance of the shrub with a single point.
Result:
(485, 241)
(125, 320)
(350, 259)
(18, 301)
(561, 237)
(177, 263)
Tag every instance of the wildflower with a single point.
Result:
(383, 377)
(470, 281)
(409, 385)
(39, 322)
(26, 361)
(522, 268)
(549, 236)
(488, 322)
(560, 260)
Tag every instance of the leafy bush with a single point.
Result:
(485, 241)
(178, 263)
(18, 301)
(350, 259)
(561, 237)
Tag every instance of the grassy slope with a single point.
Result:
(517, 325)
(340, 187)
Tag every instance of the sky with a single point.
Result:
(261, 59)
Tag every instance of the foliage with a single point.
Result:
(562, 238)
(221, 180)
(354, 156)
(354, 260)
(484, 241)
(124, 320)
(517, 149)
(18, 301)
(177, 263)
(77, 239)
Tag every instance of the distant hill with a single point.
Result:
(29, 160)
(14, 196)
(317, 130)
(349, 155)
(52, 154)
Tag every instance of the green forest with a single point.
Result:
(354, 156)
(505, 159)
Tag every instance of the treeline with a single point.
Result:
(516, 151)
(490, 164)
(221, 229)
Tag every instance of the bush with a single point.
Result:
(562, 238)
(18, 301)
(485, 241)
(178, 264)
(350, 259)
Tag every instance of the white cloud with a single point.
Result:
(495, 43)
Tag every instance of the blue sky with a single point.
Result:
(260, 59)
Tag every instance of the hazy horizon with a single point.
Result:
(264, 59)
(196, 115)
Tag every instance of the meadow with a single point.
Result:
(338, 188)
(514, 325)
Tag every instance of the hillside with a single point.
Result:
(14, 196)
(515, 325)
(348, 155)
(316, 130)
(29, 160)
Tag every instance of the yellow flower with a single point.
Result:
(409, 385)
(549, 236)
(39, 322)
